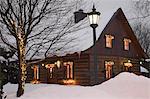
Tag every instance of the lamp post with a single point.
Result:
(93, 18)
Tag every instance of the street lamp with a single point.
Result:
(93, 18)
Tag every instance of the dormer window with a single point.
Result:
(109, 39)
(126, 43)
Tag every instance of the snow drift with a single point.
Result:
(123, 86)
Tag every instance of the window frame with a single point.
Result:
(109, 41)
(110, 75)
(36, 73)
(126, 44)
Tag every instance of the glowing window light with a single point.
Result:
(69, 82)
(108, 68)
(126, 43)
(43, 65)
(58, 63)
(128, 64)
(109, 39)
(36, 75)
(69, 66)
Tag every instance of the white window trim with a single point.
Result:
(126, 46)
(108, 41)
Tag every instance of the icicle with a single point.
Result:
(79, 53)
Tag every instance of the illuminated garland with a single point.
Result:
(22, 58)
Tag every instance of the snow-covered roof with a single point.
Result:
(143, 70)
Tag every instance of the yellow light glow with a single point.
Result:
(109, 39)
(129, 61)
(69, 82)
(58, 63)
(49, 65)
(128, 64)
(109, 62)
(35, 81)
(126, 43)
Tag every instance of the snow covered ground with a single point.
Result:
(123, 86)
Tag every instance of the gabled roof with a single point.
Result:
(138, 47)
(105, 18)
(85, 38)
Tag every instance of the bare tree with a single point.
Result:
(141, 23)
(143, 35)
(36, 27)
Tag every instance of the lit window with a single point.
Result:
(126, 43)
(108, 69)
(69, 67)
(50, 70)
(109, 39)
(36, 72)
(127, 65)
